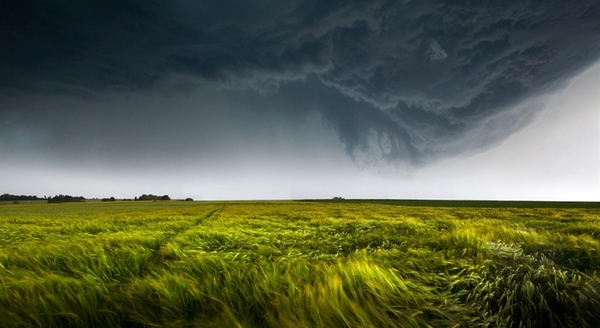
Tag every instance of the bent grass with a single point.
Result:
(297, 264)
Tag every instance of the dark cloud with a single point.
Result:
(398, 80)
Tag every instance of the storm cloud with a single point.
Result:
(399, 81)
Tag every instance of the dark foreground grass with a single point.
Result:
(297, 264)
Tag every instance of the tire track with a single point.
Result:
(161, 253)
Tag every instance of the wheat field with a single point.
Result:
(299, 264)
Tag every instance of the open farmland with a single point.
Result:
(299, 264)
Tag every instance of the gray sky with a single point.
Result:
(301, 99)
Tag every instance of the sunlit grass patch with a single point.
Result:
(362, 294)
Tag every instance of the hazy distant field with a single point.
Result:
(299, 264)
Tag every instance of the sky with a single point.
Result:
(301, 99)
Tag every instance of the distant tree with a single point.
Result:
(7, 197)
(189, 199)
(66, 199)
(338, 198)
(153, 197)
(111, 199)
(145, 197)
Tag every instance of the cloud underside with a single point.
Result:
(401, 81)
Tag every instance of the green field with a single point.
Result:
(300, 264)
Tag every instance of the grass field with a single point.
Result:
(299, 264)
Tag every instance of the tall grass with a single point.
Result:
(297, 264)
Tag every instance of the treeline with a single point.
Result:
(153, 197)
(6, 197)
(66, 199)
